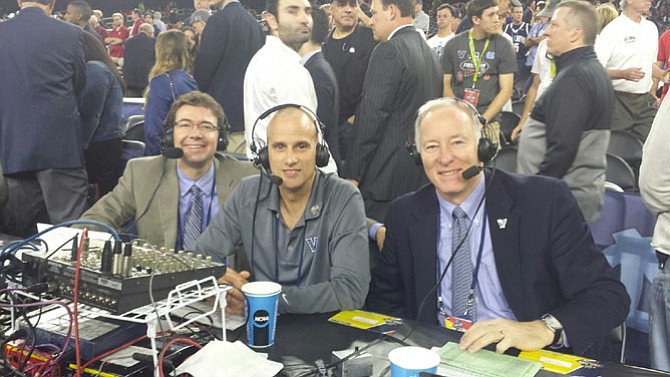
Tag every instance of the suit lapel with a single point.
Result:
(504, 225)
(424, 241)
(168, 204)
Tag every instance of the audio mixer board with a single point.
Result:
(117, 277)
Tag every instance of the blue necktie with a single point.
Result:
(461, 277)
(193, 226)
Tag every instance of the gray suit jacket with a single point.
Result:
(156, 177)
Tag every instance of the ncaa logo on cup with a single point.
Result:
(261, 318)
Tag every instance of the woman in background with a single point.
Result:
(193, 45)
(168, 80)
(606, 14)
(101, 114)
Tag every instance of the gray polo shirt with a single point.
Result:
(322, 264)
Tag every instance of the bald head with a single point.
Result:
(293, 116)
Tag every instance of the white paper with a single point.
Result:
(224, 359)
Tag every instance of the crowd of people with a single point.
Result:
(356, 137)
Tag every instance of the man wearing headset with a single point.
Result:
(157, 192)
(299, 226)
(525, 271)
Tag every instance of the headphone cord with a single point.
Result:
(153, 194)
(253, 220)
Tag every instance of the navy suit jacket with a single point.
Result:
(42, 73)
(139, 56)
(328, 98)
(403, 73)
(230, 39)
(545, 256)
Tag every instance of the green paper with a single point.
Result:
(483, 363)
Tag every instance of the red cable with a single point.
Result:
(75, 294)
(167, 345)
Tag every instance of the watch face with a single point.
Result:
(552, 323)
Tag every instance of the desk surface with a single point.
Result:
(302, 339)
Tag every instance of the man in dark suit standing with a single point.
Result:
(511, 254)
(43, 72)
(325, 82)
(227, 44)
(139, 57)
(403, 73)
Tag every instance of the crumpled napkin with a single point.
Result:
(225, 359)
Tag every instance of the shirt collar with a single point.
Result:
(398, 28)
(469, 205)
(204, 183)
(308, 56)
(314, 204)
(275, 42)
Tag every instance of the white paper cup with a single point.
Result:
(262, 299)
(411, 361)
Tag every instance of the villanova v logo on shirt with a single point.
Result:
(313, 243)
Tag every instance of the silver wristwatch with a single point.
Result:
(555, 326)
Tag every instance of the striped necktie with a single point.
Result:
(193, 226)
(462, 271)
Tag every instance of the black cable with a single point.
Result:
(59, 247)
(153, 194)
(16, 335)
(253, 221)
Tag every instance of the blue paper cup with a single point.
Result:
(261, 298)
(411, 361)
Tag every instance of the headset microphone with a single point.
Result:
(471, 172)
(277, 181)
(172, 152)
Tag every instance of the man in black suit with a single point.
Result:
(227, 44)
(403, 73)
(347, 49)
(524, 267)
(43, 73)
(325, 82)
(139, 57)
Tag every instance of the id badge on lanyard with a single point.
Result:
(471, 95)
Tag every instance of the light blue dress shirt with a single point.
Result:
(491, 302)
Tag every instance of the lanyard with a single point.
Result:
(276, 247)
(474, 58)
(475, 272)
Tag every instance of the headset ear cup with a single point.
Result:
(322, 155)
(413, 151)
(222, 144)
(486, 150)
(263, 159)
(167, 140)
